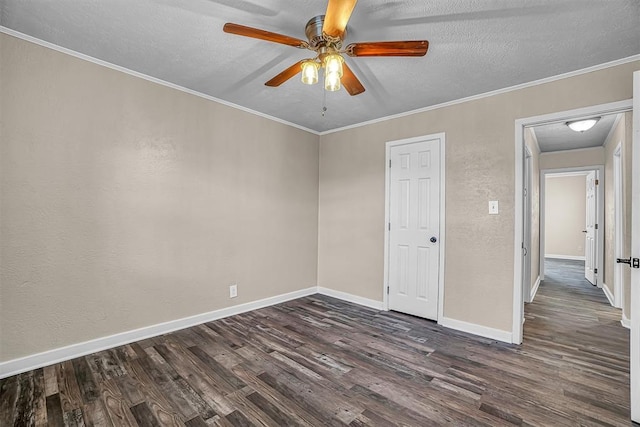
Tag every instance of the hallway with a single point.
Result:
(572, 326)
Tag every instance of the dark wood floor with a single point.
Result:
(319, 361)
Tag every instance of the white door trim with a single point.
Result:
(635, 252)
(387, 191)
(618, 227)
(520, 124)
(582, 170)
(527, 285)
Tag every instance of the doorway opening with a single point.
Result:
(526, 136)
(571, 218)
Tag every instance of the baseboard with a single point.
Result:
(472, 328)
(534, 289)
(569, 257)
(371, 303)
(27, 363)
(625, 321)
(608, 294)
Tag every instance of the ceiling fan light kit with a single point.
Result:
(325, 34)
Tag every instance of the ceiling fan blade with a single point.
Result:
(255, 33)
(398, 48)
(285, 75)
(350, 81)
(337, 16)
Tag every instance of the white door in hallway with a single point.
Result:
(635, 254)
(414, 241)
(590, 255)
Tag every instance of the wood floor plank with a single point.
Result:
(54, 411)
(39, 398)
(144, 415)
(115, 405)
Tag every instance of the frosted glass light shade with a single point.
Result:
(310, 72)
(582, 125)
(332, 72)
(333, 63)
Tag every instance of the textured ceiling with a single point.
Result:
(475, 47)
(558, 136)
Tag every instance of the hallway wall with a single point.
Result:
(565, 216)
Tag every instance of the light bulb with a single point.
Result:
(310, 72)
(333, 63)
(332, 81)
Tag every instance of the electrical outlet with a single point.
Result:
(233, 290)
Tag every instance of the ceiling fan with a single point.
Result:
(325, 34)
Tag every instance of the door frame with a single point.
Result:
(581, 170)
(387, 199)
(618, 226)
(520, 124)
(528, 182)
(635, 252)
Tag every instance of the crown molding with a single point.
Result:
(491, 93)
(143, 76)
(100, 62)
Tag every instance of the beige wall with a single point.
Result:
(572, 158)
(565, 215)
(530, 141)
(126, 204)
(480, 153)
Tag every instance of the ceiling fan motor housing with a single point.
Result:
(317, 39)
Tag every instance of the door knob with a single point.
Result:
(433, 240)
(633, 262)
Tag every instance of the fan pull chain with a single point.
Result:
(324, 102)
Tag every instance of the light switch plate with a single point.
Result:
(493, 207)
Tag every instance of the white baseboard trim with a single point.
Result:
(625, 321)
(472, 328)
(534, 289)
(569, 257)
(608, 294)
(371, 303)
(27, 363)
(57, 355)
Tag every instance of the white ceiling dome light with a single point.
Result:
(583, 125)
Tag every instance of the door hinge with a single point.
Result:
(389, 162)
(389, 226)
(595, 271)
(635, 263)
(387, 290)
(597, 181)
(525, 192)
(596, 226)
